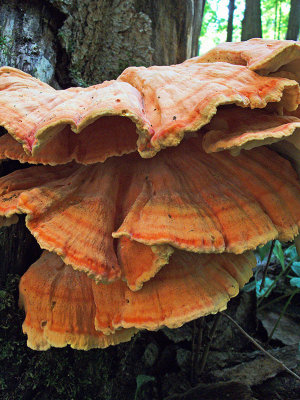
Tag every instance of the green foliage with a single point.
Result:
(211, 20)
(290, 263)
(141, 382)
(265, 291)
(4, 43)
(287, 258)
(274, 16)
(295, 281)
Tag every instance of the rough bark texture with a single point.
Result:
(294, 21)
(176, 28)
(28, 38)
(251, 24)
(82, 42)
(103, 37)
(230, 21)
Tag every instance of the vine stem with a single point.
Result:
(265, 270)
(274, 301)
(260, 347)
(207, 347)
(196, 347)
(270, 288)
(282, 313)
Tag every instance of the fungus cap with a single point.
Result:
(64, 306)
(60, 309)
(260, 55)
(157, 102)
(183, 198)
(35, 114)
(235, 129)
(175, 108)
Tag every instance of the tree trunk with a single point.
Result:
(83, 42)
(197, 23)
(230, 20)
(294, 21)
(251, 24)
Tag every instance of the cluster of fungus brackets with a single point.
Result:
(141, 240)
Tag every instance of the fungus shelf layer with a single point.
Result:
(64, 306)
(237, 129)
(156, 101)
(262, 56)
(182, 198)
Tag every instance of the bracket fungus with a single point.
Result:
(137, 235)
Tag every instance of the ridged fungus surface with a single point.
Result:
(260, 55)
(182, 198)
(157, 101)
(64, 306)
(35, 114)
(60, 308)
(236, 128)
(176, 108)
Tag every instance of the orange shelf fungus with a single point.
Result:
(236, 129)
(197, 202)
(60, 308)
(262, 56)
(138, 235)
(156, 99)
(176, 108)
(64, 306)
(38, 116)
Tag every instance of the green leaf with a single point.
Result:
(291, 252)
(268, 283)
(140, 381)
(263, 251)
(279, 253)
(296, 267)
(250, 286)
(295, 282)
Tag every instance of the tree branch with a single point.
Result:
(260, 347)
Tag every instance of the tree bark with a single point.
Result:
(230, 20)
(83, 42)
(251, 24)
(176, 27)
(294, 21)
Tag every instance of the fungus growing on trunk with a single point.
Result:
(262, 56)
(64, 306)
(235, 129)
(182, 197)
(169, 235)
(60, 308)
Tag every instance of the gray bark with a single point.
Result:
(294, 21)
(28, 38)
(251, 24)
(176, 28)
(82, 42)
